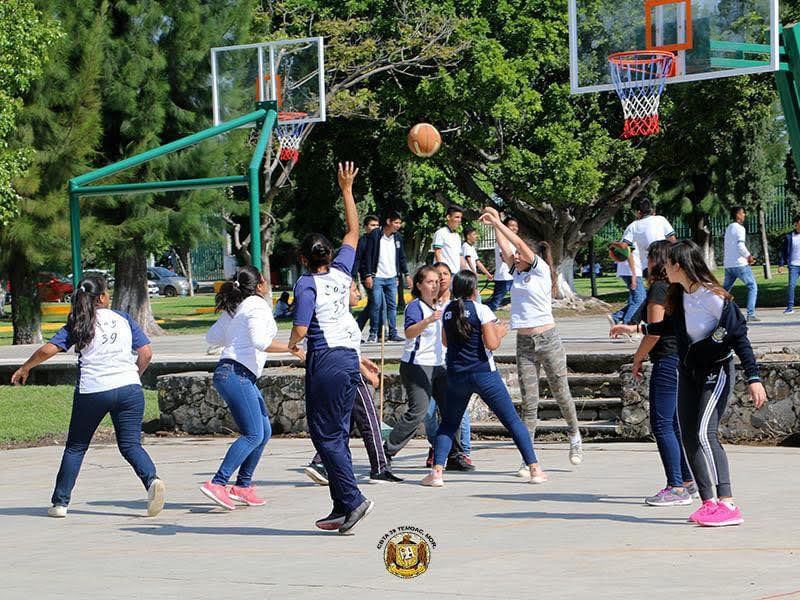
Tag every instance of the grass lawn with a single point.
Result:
(31, 412)
(771, 293)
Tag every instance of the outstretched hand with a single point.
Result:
(489, 210)
(347, 173)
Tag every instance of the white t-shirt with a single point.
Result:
(426, 349)
(644, 232)
(468, 251)
(387, 258)
(109, 360)
(703, 310)
(794, 260)
(532, 296)
(450, 244)
(623, 268)
(501, 270)
(245, 335)
(736, 251)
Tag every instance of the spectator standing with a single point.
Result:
(737, 261)
(790, 255)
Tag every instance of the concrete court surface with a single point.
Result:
(584, 534)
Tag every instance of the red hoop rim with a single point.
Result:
(620, 58)
(288, 116)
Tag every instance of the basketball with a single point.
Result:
(619, 251)
(424, 139)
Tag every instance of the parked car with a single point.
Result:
(169, 283)
(152, 288)
(53, 288)
(105, 273)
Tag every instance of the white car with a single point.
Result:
(152, 288)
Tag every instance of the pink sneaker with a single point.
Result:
(708, 506)
(246, 495)
(433, 479)
(218, 494)
(722, 517)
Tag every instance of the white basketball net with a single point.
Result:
(639, 79)
(289, 137)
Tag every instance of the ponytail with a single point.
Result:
(83, 315)
(544, 251)
(464, 285)
(240, 287)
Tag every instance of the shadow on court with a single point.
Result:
(549, 497)
(41, 511)
(588, 517)
(166, 529)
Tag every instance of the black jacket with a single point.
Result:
(730, 334)
(369, 260)
(785, 255)
(361, 247)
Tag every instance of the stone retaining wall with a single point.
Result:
(778, 418)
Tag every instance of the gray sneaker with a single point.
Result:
(692, 490)
(576, 452)
(669, 497)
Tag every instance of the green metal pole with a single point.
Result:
(171, 147)
(255, 209)
(162, 186)
(75, 234)
(787, 84)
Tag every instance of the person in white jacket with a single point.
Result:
(246, 331)
(737, 261)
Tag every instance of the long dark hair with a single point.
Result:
(464, 285)
(689, 257)
(545, 252)
(234, 291)
(317, 250)
(82, 316)
(419, 277)
(657, 257)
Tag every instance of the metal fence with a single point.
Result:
(207, 262)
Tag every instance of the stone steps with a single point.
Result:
(607, 428)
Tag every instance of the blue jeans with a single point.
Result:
(746, 275)
(664, 420)
(384, 298)
(432, 425)
(794, 273)
(501, 288)
(490, 387)
(126, 405)
(237, 386)
(635, 299)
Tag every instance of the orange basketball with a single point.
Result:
(424, 139)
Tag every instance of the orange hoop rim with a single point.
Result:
(288, 115)
(620, 58)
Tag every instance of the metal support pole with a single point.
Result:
(151, 187)
(255, 195)
(75, 234)
(787, 83)
(592, 275)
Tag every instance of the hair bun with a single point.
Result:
(236, 283)
(319, 249)
(85, 288)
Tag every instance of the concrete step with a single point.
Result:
(587, 428)
(590, 385)
(588, 409)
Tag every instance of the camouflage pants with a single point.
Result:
(544, 349)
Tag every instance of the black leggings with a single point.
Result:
(702, 398)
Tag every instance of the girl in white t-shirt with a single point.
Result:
(112, 354)
(246, 330)
(538, 343)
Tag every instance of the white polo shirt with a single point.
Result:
(501, 270)
(469, 251)
(426, 349)
(736, 251)
(449, 242)
(387, 257)
(645, 231)
(532, 296)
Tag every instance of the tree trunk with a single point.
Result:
(762, 227)
(187, 267)
(26, 309)
(701, 233)
(130, 286)
(566, 275)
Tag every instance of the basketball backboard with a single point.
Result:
(710, 38)
(289, 71)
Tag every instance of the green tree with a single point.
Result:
(25, 38)
(60, 121)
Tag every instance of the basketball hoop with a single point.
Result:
(639, 78)
(289, 135)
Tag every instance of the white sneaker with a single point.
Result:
(611, 320)
(524, 471)
(59, 512)
(576, 452)
(155, 497)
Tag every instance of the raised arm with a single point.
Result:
(506, 237)
(347, 173)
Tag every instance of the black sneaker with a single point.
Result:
(356, 516)
(332, 521)
(316, 472)
(387, 455)
(384, 476)
(459, 462)
(396, 338)
(372, 339)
